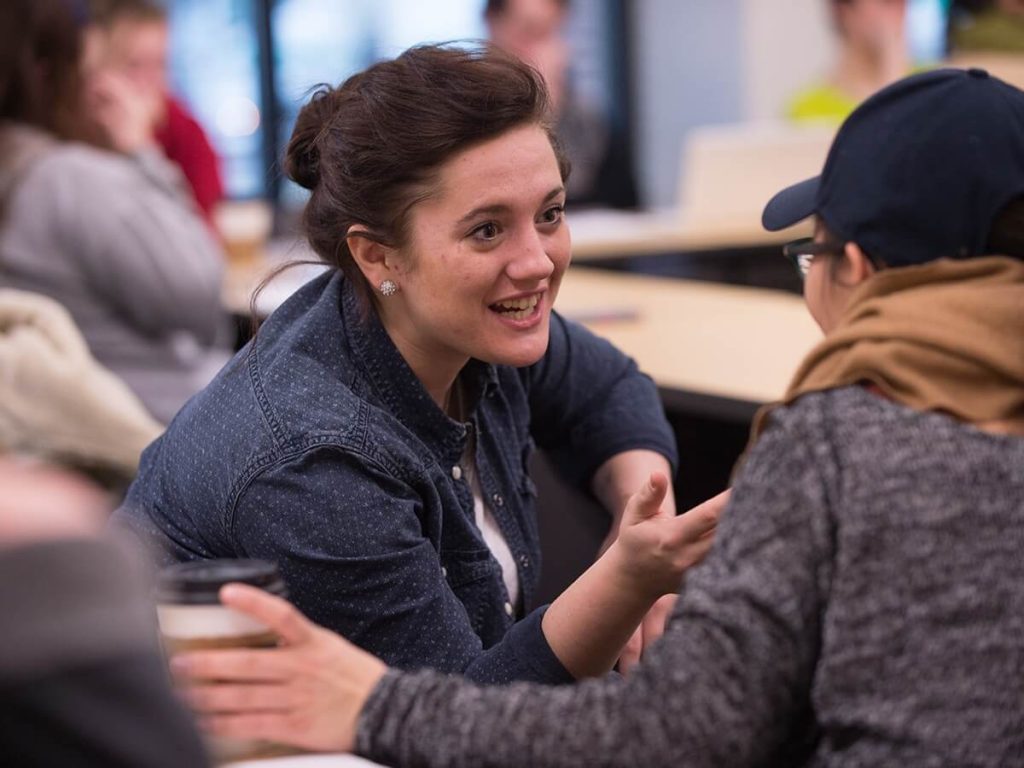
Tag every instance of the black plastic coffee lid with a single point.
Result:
(199, 582)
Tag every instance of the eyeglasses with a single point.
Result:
(802, 252)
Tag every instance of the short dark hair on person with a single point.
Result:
(1006, 238)
(107, 12)
(498, 7)
(369, 149)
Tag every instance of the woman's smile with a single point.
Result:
(520, 312)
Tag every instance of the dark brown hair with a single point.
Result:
(371, 148)
(106, 12)
(40, 81)
(498, 7)
(1006, 238)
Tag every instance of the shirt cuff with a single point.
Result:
(534, 651)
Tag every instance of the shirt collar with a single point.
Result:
(399, 389)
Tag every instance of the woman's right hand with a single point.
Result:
(655, 548)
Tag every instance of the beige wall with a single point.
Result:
(715, 62)
(786, 44)
(687, 74)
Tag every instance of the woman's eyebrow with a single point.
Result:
(498, 208)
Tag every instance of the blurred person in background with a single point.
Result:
(82, 681)
(873, 52)
(534, 31)
(81, 678)
(130, 39)
(995, 26)
(111, 235)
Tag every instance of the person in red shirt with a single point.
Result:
(184, 141)
(132, 40)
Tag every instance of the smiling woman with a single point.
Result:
(374, 438)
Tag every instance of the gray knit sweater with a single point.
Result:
(863, 606)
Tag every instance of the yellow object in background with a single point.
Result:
(821, 103)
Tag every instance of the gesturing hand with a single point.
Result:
(655, 547)
(308, 692)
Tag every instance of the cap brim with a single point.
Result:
(791, 205)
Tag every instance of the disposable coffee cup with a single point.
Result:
(190, 611)
(192, 618)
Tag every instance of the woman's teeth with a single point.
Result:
(518, 309)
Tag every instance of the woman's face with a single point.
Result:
(484, 257)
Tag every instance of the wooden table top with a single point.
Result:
(717, 341)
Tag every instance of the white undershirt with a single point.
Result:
(493, 537)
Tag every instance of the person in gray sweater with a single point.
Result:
(863, 603)
(109, 232)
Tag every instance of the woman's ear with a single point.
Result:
(856, 267)
(373, 258)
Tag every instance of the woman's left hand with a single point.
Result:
(308, 692)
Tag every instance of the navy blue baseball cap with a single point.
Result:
(919, 171)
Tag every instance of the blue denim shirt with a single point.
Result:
(318, 448)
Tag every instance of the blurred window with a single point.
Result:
(215, 69)
(326, 41)
(927, 22)
(221, 68)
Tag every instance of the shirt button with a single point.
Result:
(457, 472)
(444, 571)
(509, 609)
(498, 501)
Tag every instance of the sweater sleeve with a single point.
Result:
(589, 402)
(141, 242)
(726, 685)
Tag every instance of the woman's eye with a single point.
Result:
(487, 231)
(553, 214)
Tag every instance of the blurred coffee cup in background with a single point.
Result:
(245, 227)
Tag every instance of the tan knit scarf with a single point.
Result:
(945, 336)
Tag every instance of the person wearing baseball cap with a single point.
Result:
(862, 602)
(915, 269)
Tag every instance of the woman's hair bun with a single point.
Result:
(302, 158)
